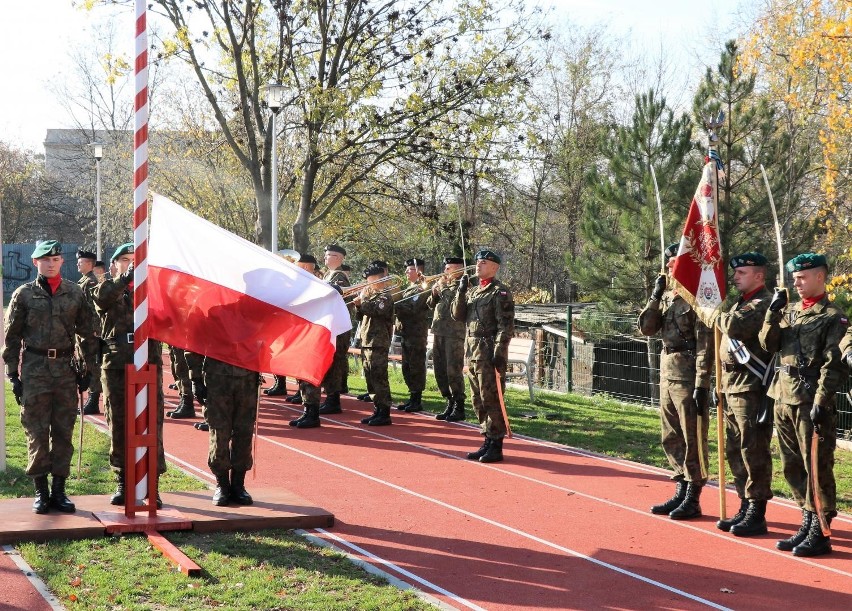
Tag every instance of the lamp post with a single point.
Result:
(275, 100)
(98, 152)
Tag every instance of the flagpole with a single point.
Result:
(660, 215)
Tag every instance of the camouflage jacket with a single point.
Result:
(808, 346)
(743, 323)
(114, 304)
(687, 342)
(336, 277)
(213, 367)
(412, 314)
(489, 316)
(377, 322)
(40, 321)
(443, 323)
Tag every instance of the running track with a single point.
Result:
(550, 528)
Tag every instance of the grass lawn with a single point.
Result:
(277, 569)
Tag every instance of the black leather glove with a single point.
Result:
(463, 282)
(499, 362)
(779, 299)
(17, 389)
(819, 415)
(127, 277)
(701, 397)
(659, 288)
(83, 381)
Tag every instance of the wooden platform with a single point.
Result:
(95, 517)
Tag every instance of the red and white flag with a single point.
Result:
(699, 269)
(214, 293)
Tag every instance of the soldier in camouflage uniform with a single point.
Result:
(335, 380)
(309, 393)
(114, 303)
(811, 372)
(746, 369)
(413, 317)
(686, 364)
(183, 384)
(448, 337)
(376, 306)
(88, 281)
(231, 412)
(488, 311)
(42, 319)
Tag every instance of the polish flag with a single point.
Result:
(216, 294)
(699, 270)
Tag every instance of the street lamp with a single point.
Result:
(275, 100)
(98, 152)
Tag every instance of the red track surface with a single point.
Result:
(549, 528)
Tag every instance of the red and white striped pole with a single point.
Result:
(140, 240)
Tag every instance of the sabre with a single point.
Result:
(461, 233)
(502, 403)
(82, 423)
(660, 215)
(777, 228)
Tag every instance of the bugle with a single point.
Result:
(391, 283)
(427, 283)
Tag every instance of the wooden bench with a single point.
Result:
(521, 355)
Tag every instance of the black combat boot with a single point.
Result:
(754, 522)
(402, 406)
(295, 398)
(735, 519)
(311, 419)
(300, 418)
(42, 496)
(414, 403)
(382, 417)
(690, 507)
(494, 453)
(223, 490)
(118, 497)
(238, 488)
(816, 543)
(278, 388)
(371, 416)
(673, 503)
(481, 451)
(202, 426)
(90, 407)
(173, 386)
(58, 500)
(185, 408)
(364, 397)
(457, 415)
(331, 405)
(447, 409)
(199, 391)
(787, 545)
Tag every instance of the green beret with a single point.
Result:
(671, 250)
(488, 255)
(748, 259)
(808, 260)
(124, 249)
(47, 248)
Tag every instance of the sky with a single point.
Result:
(37, 35)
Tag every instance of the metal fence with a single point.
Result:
(608, 356)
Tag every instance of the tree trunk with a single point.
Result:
(301, 238)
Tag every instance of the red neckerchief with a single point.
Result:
(54, 283)
(483, 282)
(748, 296)
(809, 301)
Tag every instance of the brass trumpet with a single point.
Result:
(427, 283)
(393, 284)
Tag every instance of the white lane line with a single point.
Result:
(505, 527)
(395, 581)
(640, 512)
(34, 580)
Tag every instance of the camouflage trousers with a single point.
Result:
(684, 431)
(114, 409)
(48, 418)
(414, 363)
(485, 398)
(231, 411)
(448, 362)
(747, 446)
(795, 435)
(311, 395)
(95, 385)
(336, 378)
(376, 374)
(180, 371)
